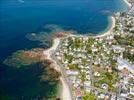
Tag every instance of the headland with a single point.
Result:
(111, 34)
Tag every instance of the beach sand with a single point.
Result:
(127, 3)
(102, 34)
(109, 31)
(54, 46)
(65, 91)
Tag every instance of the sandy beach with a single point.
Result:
(127, 3)
(102, 34)
(49, 51)
(65, 91)
(109, 31)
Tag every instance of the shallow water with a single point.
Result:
(19, 18)
(25, 84)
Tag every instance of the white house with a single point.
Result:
(132, 91)
(122, 63)
(71, 72)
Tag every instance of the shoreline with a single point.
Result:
(126, 1)
(65, 92)
(103, 34)
(108, 32)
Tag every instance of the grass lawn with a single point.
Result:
(108, 78)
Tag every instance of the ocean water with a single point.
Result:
(20, 17)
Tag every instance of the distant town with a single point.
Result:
(100, 68)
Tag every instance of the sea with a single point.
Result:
(20, 17)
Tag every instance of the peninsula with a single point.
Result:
(97, 67)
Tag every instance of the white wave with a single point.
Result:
(21, 1)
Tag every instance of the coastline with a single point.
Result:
(108, 32)
(103, 34)
(126, 1)
(65, 92)
(26, 44)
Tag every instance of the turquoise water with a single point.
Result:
(18, 18)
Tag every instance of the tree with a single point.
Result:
(89, 96)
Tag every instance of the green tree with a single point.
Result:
(89, 96)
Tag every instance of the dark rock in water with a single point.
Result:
(25, 57)
(46, 35)
(41, 79)
(26, 83)
(52, 74)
